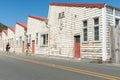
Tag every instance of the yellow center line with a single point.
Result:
(90, 73)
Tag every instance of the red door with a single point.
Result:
(77, 46)
(23, 47)
(33, 46)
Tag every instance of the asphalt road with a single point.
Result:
(20, 67)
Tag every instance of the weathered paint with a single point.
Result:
(20, 33)
(37, 25)
(11, 38)
(61, 36)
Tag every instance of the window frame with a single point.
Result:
(85, 27)
(37, 35)
(96, 26)
(116, 24)
(29, 41)
(61, 15)
(44, 38)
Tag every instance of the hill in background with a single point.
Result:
(2, 26)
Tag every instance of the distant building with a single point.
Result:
(4, 39)
(20, 34)
(81, 30)
(37, 34)
(1, 41)
(11, 38)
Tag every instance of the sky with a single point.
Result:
(12, 11)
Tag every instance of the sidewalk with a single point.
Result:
(59, 58)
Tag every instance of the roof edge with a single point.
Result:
(91, 5)
(38, 17)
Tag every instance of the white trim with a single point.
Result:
(104, 52)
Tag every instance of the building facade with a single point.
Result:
(1, 41)
(71, 30)
(37, 34)
(4, 39)
(20, 34)
(81, 30)
(11, 38)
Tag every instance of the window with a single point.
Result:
(96, 21)
(77, 39)
(117, 21)
(85, 23)
(30, 38)
(61, 25)
(20, 41)
(61, 15)
(85, 34)
(44, 39)
(17, 42)
(84, 30)
(26, 38)
(36, 38)
(96, 29)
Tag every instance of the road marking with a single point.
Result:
(90, 73)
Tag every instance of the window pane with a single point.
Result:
(96, 33)
(85, 23)
(85, 34)
(36, 38)
(116, 22)
(20, 41)
(26, 38)
(77, 39)
(63, 15)
(96, 21)
(45, 39)
(59, 16)
(30, 39)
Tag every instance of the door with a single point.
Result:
(23, 47)
(33, 46)
(77, 46)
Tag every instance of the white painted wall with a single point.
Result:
(11, 39)
(62, 41)
(37, 26)
(19, 32)
(1, 43)
(111, 14)
(4, 41)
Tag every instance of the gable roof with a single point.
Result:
(5, 31)
(78, 5)
(12, 28)
(38, 18)
(24, 25)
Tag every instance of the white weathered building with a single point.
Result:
(11, 38)
(4, 39)
(37, 34)
(1, 41)
(81, 30)
(20, 34)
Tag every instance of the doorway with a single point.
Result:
(77, 46)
